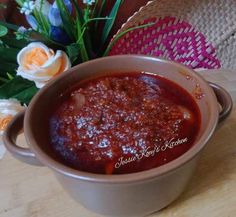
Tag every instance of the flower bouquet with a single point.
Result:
(60, 35)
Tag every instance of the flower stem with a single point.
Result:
(81, 33)
(80, 41)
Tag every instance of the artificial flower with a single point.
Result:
(43, 6)
(39, 63)
(22, 33)
(88, 2)
(54, 15)
(33, 23)
(27, 7)
(22, 30)
(8, 109)
(62, 25)
(59, 35)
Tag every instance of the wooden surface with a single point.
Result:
(27, 191)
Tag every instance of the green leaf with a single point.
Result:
(3, 31)
(42, 21)
(9, 26)
(26, 95)
(86, 13)
(94, 9)
(68, 23)
(8, 54)
(15, 86)
(99, 12)
(83, 39)
(95, 19)
(73, 52)
(79, 13)
(20, 2)
(7, 67)
(10, 76)
(13, 42)
(44, 38)
(18, 88)
(109, 23)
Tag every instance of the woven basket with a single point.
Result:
(199, 34)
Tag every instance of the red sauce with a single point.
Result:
(123, 123)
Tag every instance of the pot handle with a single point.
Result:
(224, 99)
(9, 138)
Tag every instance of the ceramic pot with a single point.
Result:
(136, 194)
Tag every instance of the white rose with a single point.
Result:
(8, 109)
(39, 63)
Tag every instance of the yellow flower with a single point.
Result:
(38, 63)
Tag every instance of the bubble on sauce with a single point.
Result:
(104, 143)
(109, 154)
(79, 144)
(141, 142)
(81, 122)
(198, 92)
(187, 115)
(129, 149)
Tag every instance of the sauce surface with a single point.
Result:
(123, 123)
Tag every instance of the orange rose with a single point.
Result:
(38, 63)
(8, 108)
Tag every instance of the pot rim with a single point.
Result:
(131, 177)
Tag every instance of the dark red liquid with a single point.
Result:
(124, 123)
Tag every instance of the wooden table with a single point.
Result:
(27, 191)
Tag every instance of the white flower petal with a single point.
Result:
(45, 6)
(40, 74)
(9, 107)
(40, 84)
(53, 64)
(33, 77)
(67, 61)
(28, 48)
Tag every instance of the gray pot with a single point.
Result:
(136, 194)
